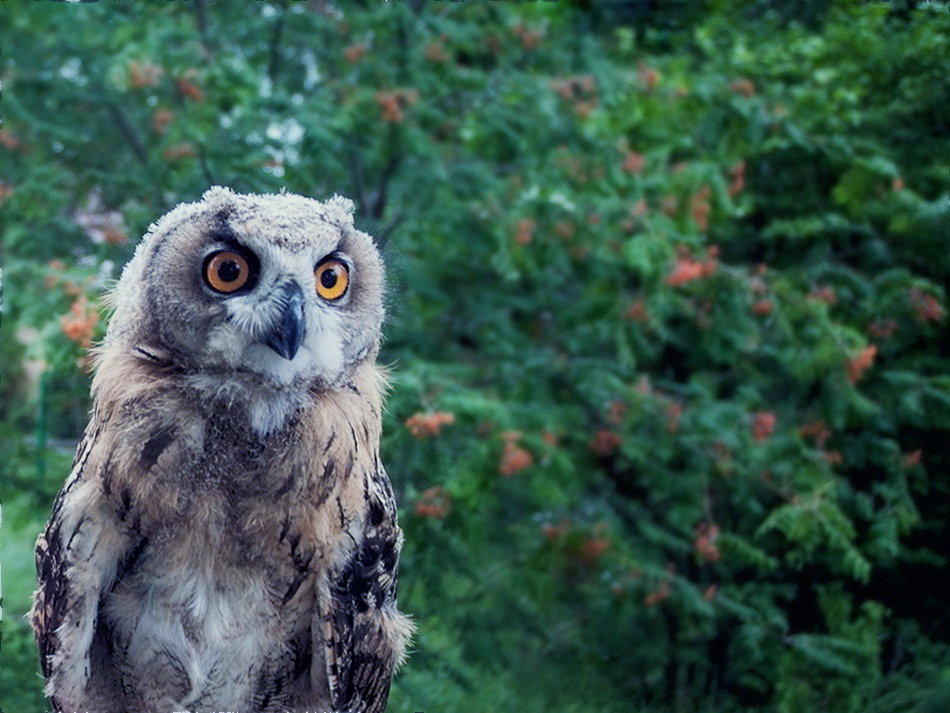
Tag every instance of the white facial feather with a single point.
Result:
(237, 342)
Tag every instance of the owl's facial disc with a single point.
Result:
(285, 335)
(285, 312)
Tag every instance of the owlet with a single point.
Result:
(227, 537)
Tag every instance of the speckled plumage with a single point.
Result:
(227, 537)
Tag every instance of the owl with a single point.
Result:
(226, 539)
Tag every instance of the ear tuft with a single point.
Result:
(218, 197)
(340, 211)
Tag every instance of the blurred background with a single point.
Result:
(667, 320)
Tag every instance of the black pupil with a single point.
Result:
(229, 271)
(328, 278)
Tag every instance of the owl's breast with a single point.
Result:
(191, 627)
(229, 531)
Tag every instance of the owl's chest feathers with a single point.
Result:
(229, 534)
(188, 479)
(186, 474)
(202, 639)
(213, 483)
(210, 516)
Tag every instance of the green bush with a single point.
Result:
(670, 384)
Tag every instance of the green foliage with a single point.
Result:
(667, 317)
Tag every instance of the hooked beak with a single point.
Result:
(285, 335)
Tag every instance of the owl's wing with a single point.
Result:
(364, 634)
(76, 558)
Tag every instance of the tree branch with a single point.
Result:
(205, 168)
(379, 201)
(273, 63)
(135, 143)
(383, 237)
(201, 19)
(356, 169)
(128, 132)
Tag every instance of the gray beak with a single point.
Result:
(284, 337)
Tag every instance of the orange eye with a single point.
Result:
(226, 271)
(332, 279)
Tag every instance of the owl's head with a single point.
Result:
(255, 292)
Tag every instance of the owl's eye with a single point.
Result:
(226, 271)
(332, 278)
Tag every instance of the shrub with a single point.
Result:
(666, 323)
